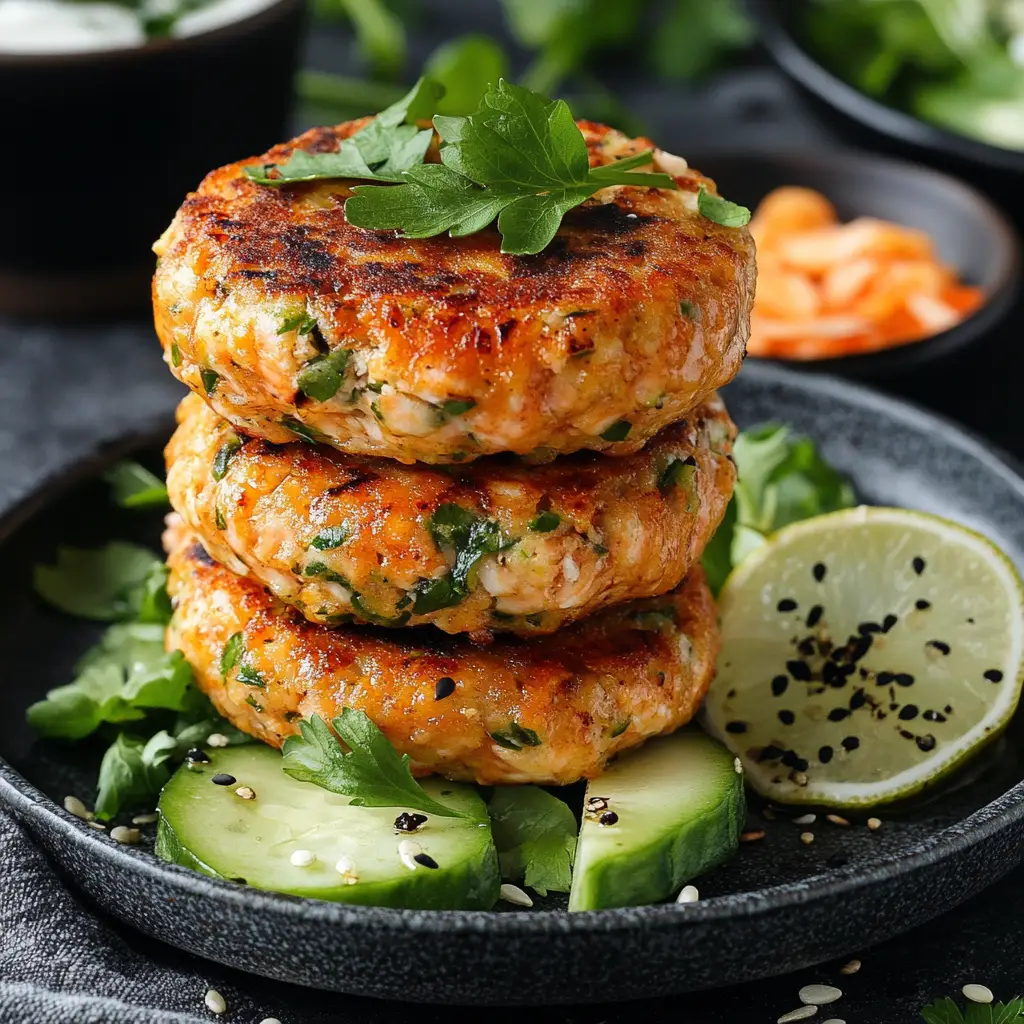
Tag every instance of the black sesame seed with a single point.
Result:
(838, 714)
(922, 605)
(806, 647)
(860, 646)
(858, 700)
(884, 678)
(407, 822)
(888, 622)
(787, 604)
(837, 860)
(819, 571)
(779, 685)
(608, 818)
(993, 675)
(787, 717)
(925, 743)
(830, 674)
(940, 645)
(825, 755)
(735, 727)
(903, 679)
(770, 753)
(444, 687)
(851, 743)
(221, 779)
(869, 627)
(790, 758)
(800, 765)
(933, 716)
(814, 616)
(197, 756)
(426, 861)
(799, 670)
(908, 712)
(918, 564)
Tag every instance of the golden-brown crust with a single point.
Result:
(616, 529)
(594, 690)
(637, 311)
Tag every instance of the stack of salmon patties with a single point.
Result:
(461, 491)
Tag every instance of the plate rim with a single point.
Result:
(33, 806)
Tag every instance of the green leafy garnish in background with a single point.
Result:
(135, 487)
(379, 31)
(781, 479)
(372, 773)
(945, 1011)
(390, 144)
(519, 158)
(535, 834)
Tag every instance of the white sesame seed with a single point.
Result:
(819, 995)
(800, 1013)
(246, 792)
(874, 823)
(799, 778)
(274, 1020)
(121, 834)
(837, 819)
(303, 858)
(75, 806)
(805, 819)
(144, 819)
(737, 765)
(978, 993)
(98, 825)
(215, 1002)
(833, 1020)
(688, 895)
(807, 838)
(346, 867)
(513, 894)
(216, 739)
(851, 968)
(407, 851)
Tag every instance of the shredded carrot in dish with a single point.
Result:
(829, 289)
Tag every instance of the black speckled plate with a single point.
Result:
(778, 906)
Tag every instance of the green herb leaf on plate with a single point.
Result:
(134, 486)
(330, 537)
(107, 583)
(322, 376)
(721, 211)
(535, 833)
(372, 773)
(132, 772)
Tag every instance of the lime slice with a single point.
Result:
(865, 654)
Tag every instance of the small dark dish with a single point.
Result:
(870, 122)
(777, 906)
(971, 234)
(104, 145)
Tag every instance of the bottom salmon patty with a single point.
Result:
(496, 545)
(547, 710)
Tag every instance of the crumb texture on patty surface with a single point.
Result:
(494, 545)
(292, 322)
(546, 710)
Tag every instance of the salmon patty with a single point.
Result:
(548, 710)
(495, 545)
(293, 323)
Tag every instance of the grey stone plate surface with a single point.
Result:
(777, 906)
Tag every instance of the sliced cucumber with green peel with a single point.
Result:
(655, 819)
(294, 837)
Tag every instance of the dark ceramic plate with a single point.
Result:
(970, 234)
(778, 906)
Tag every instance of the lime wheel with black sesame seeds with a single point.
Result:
(866, 654)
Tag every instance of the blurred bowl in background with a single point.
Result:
(872, 123)
(103, 146)
(970, 233)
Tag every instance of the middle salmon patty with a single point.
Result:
(496, 545)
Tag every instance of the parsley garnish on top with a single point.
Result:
(945, 1011)
(520, 158)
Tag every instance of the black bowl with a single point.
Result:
(971, 234)
(109, 142)
(870, 122)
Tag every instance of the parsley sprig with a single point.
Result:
(945, 1011)
(519, 158)
(371, 772)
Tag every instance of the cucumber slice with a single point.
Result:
(210, 828)
(680, 808)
